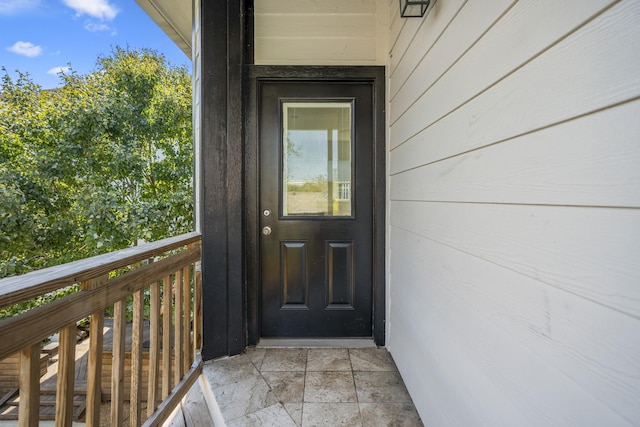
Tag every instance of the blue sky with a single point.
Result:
(43, 36)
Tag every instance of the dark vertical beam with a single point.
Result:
(213, 31)
(222, 27)
(250, 195)
(235, 175)
(379, 206)
(252, 220)
(248, 32)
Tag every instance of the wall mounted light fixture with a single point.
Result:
(413, 8)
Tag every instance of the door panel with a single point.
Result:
(340, 275)
(294, 282)
(316, 187)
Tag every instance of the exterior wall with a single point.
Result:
(514, 211)
(327, 32)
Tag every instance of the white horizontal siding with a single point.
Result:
(531, 242)
(571, 73)
(311, 32)
(589, 161)
(317, 25)
(317, 51)
(573, 249)
(499, 369)
(313, 6)
(514, 169)
(424, 60)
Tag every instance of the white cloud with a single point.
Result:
(25, 49)
(58, 70)
(9, 7)
(100, 9)
(95, 27)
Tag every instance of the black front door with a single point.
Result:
(316, 144)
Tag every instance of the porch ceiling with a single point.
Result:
(174, 17)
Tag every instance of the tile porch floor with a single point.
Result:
(311, 387)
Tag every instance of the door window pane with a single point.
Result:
(316, 159)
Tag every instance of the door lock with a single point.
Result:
(266, 212)
(266, 230)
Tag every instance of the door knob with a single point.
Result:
(266, 230)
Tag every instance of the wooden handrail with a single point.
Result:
(40, 322)
(173, 283)
(16, 289)
(179, 391)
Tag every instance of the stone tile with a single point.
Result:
(389, 414)
(229, 370)
(380, 387)
(287, 386)
(377, 378)
(244, 397)
(328, 359)
(271, 416)
(371, 359)
(331, 415)
(295, 412)
(266, 387)
(256, 355)
(325, 387)
(284, 359)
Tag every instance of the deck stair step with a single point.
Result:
(10, 402)
(51, 349)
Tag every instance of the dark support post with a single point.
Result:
(222, 132)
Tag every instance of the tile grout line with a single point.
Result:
(279, 402)
(372, 362)
(304, 387)
(355, 388)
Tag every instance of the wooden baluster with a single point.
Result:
(186, 322)
(62, 315)
(94, 370)
(29, 383)
(178, 319)
(66, 376)
(135, 407)
(167, 299)
(117, 365)
(94, 364)
(154, 348)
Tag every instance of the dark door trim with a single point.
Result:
(258, 74)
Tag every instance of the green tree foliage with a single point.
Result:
(96, 165)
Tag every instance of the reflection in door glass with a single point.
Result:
(316, 159)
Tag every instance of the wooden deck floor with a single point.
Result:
(48, 383)
(11, 400)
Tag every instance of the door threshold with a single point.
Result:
(316, 342)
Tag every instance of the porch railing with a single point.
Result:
(158, 281)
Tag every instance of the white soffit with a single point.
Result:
(174, 18)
